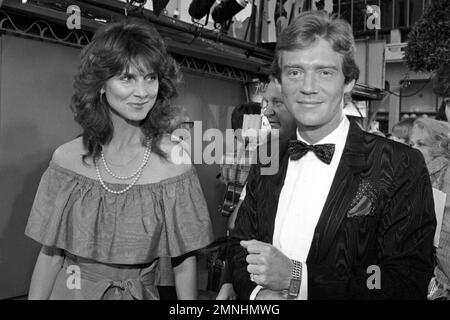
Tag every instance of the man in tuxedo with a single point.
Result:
(349, 215)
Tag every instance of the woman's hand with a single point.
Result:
(226, 292)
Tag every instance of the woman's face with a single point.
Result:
(420, 140)
(132, 94)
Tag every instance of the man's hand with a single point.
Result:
(266, 294)
(267, 265)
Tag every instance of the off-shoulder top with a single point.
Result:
(163, 219)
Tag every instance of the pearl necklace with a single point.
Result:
(137, 174)
(148, 149)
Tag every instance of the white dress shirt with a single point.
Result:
(302, 198)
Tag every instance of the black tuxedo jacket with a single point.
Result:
(379, 212)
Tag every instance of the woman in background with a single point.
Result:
(431, 138)
(115, 200)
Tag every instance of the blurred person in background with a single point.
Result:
(431, 138)
(443, 113)
(401, 131)
(279, 118)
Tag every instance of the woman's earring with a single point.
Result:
(101, 97)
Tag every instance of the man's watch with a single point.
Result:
(296, 280)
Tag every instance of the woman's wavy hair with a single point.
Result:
(438, 136)
(116, 47)
(307, 28)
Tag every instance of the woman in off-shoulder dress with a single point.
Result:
(124, 194)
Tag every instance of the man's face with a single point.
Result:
(276, 111)
(313, 87)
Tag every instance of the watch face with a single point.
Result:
(294, 288)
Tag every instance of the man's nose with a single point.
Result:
(309, 85)
(268, 110)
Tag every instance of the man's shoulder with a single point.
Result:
(392, 153)
(397, 147)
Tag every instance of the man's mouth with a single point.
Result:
(309, 102)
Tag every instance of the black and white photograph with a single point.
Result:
(224, 151)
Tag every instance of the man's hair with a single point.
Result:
(237, 116)
(403, 129)
(311, 25)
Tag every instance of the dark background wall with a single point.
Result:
(36, 81)
(35, 89)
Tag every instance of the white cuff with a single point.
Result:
(303, 295)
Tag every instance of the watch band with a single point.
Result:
(296, 280)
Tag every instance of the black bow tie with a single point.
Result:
(298, 149)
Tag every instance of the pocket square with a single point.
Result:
(363, 204)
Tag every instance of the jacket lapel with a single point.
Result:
(272, 185)
(343, 189)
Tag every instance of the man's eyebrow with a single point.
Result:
(320, 66)
(292, 66)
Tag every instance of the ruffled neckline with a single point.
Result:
(73, 212)
(88, 180)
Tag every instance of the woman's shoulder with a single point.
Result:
(69, 155)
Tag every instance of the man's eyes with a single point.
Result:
(327, 73)
(294, 73)
(277, 102)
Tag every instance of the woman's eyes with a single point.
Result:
(125, 77)
(419, 144)
(129, 78)
(151, 78)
